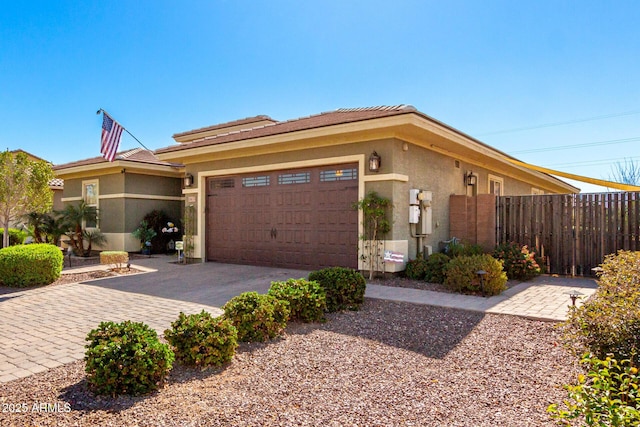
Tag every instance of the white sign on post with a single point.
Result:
(180, 248)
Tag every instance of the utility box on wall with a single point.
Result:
(420, 212)
(426, 223)
(414, 196)
(414, 214)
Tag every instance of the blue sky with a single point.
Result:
(483, 67)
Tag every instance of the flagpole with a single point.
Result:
(124, 128)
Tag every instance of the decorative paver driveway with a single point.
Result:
(44, 328)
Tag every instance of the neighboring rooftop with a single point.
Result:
(248, 123)
(56, 182)
(137, 155)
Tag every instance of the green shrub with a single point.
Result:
(202, 340)
(607, 396)
(30, 265)
(416, 268)
(461, 274)
(344, 287)
(307, 300)
(519, 262)
(457, 248)
(117, 259)
(620, 272)
(436, 264)
(609, 321)
(126, 358)
(257, 317)
(16, 236)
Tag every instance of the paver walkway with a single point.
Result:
(46, 327)
(543, 298)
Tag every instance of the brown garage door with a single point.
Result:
(300, 218)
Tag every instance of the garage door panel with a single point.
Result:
(284, 218)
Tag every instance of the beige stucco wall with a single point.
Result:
(404, 166)
(124, 199)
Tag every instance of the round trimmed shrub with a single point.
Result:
(126, 358)
(202, 340)
(257, 317)
(519, 262)
(608, 323)
(30, 265)
(307, 300)
(344, 287)
(416, 269)
(461, 274)
(435, 267)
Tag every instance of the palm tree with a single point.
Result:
(38, 223)
(74, 217)
(45, 227)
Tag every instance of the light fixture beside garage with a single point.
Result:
(188, 180)
(471, 179)
(374, 162)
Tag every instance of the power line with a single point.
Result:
(593, 162)
(585, 144)
(568, 122)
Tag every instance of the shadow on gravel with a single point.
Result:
(82, 399)
(430, 331)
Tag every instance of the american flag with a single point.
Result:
(391, 256)
(111, 132)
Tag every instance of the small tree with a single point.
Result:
(626, 173)
(24, 187)
(374, 209)
(189, 231)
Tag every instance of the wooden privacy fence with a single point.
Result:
(573, 232)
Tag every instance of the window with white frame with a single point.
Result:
(496, 185)
(90, 197)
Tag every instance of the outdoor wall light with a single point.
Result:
(471, 179)
(374, 162)
(188, 180)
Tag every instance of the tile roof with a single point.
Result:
(56, 182)
(247, 121)
(137, 155)
(340, 116)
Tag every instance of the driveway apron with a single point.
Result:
(46, 327)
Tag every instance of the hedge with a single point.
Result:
(30, 265)
(16, 236)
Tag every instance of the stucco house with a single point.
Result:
(281, 193)
(123, 191)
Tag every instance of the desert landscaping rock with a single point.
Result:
(391, 363)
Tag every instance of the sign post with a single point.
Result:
(180, 248)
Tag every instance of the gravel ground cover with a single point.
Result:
(389, 364)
